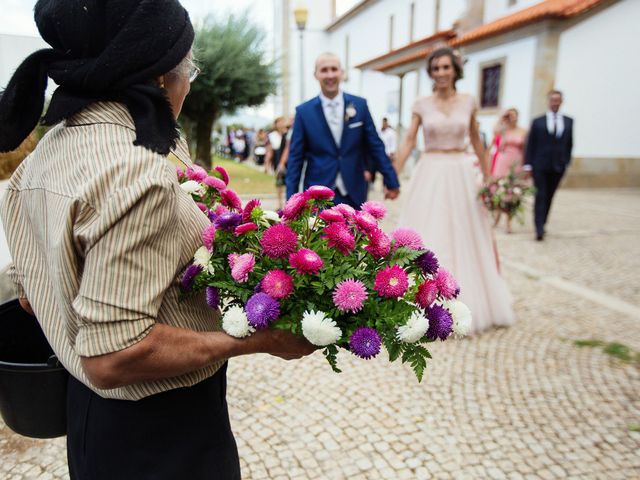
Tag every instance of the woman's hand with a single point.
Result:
(282, 343)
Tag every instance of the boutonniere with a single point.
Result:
(349, 112)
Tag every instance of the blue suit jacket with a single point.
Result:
(312, 143)
(546, 153)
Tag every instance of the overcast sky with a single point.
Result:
(17, 15)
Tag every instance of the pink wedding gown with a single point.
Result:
(441, 204)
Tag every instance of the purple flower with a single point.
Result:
(261, 310)
(365, 342)
(228, 221)
(428, 263)
(189, 276)
(213, 296)
(440, 322)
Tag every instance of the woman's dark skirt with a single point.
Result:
(179, 434)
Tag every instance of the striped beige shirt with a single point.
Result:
(99, 231)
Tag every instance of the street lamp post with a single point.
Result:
(301, 14)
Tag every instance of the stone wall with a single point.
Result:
(591, 172)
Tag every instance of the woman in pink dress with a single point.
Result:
(441, 199)
(510, 151)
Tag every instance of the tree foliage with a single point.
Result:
(231, 54)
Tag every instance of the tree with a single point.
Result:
(234, 74)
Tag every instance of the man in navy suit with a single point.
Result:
(547, 156)
(335, 137)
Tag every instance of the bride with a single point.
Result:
(441, 199)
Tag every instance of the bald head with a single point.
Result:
(329, 74)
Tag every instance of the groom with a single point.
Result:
(334, 135)
(548, 155)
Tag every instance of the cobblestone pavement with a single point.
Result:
(523, 402)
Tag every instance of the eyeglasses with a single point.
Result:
(193, 73)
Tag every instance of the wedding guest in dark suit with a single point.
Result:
(547, 156)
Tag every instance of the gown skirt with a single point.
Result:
(441, 204)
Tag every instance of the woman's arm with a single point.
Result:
(408, 144)
(478, 148)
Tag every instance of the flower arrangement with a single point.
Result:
(327, 272)
(507, 194)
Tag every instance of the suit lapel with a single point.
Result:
(345, 101)
(323, 121)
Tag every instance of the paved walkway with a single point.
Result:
(523, 402)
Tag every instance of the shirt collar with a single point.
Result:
(551, 114)
(339, 99)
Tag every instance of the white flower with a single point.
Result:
(461, 317)
(350, 111)
(517, 190)
(191, 187)
(314, 223)
(235, 322)
(319, 329)
(271, 216)
(202, 257)
(414, 329)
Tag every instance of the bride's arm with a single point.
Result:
(478, 147)
(408, 144)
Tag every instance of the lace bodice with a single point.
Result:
(445, 130)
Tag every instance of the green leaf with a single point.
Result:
(331, 354)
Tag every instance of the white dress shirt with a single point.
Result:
(389, 137)
(559, 119)
(333, 109)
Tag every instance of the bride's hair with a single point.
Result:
(456, 61)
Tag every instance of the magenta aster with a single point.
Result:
(221, 209)
(215, 183)
(306, 261)
(230, 199)
(331, 215)
(278, 241)
(346, 210)
(407, 237)
(224, 176)
(248, 209)
(379, 244)
(349, 295)
(241, 266)
(365, 342)
(339, 236)
(202, 207)
(294, 206)
(180, 173)
(447, 285)
(391, 282)
(427, 293)
(319, 192)
(245, 227)
(376, 209)
(196, 173)
(366, 222)
(277, 283)
(208, 236)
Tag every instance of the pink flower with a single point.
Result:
(392, 282)
(230, 199)
(215, 183)
(379, 244)
(319, 192)
(306, 261)
(277, 284)
(196, 173)
(224, 176)
(245, 227)
(220, 209)
(241, 266)
(407, 237)
(345, 210)
(365, 221)
(278, 241)
(427, 293)
(248, 209)
(201, 206)
(294, 206)
(338, 235)
(331, 215)
(376, 209)
(349, 295)
(447, 285)
(180, 173)
(208, 236)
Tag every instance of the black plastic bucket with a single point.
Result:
(33, 384)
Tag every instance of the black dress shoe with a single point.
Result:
(540, 237)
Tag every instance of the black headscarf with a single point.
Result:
(103, 50)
